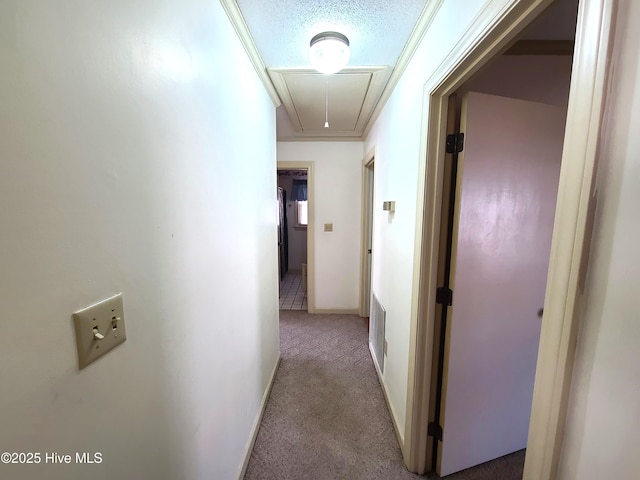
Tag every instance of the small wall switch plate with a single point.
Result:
(328, 227)
(389, 206)
(99, 328)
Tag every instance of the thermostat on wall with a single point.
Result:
(389, 206)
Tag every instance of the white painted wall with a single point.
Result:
(396, 139)
(122, 123)
(604, 412)
(337, 177)
(601, 439)
(297, 236)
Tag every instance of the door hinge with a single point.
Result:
(455, 142)
(444, 296)
(434, 430)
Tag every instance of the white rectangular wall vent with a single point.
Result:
(376, 331)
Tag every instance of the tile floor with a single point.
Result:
(292, 297)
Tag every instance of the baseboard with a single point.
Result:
(386, 398)
(256, 423)
(333, 311)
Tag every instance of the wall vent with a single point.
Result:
(376, 331)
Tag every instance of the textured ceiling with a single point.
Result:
(377, 29)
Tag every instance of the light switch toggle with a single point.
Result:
(96, 334)
(99, 329)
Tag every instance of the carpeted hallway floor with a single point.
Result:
(327, 418)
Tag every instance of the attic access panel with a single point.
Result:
(346, 95)
(353, 94)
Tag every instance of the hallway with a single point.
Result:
(141, 142)
(326, 417)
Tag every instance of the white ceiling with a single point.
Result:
(377, 29)
(382, 35)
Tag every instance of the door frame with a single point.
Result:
(367, 224)
(311, 297)
(488, 36)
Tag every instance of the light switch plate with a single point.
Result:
(328, 227)
(99, 328)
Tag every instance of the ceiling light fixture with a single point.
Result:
(329, 52)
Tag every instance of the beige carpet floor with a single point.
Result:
(326, 417)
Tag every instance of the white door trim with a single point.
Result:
(311, 284)
(367, 163)
(487, 37)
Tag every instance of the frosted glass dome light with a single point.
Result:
(329, 52)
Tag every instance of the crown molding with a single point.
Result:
(426, 17)
(424, 21)
(318, 139)
(241, 28)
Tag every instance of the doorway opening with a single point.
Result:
(295, 235)
(366, 249)
(498, 237)
(505, 136)
(558, 326)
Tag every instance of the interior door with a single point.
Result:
(282, 234)
(369, 172)
(506, 189)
